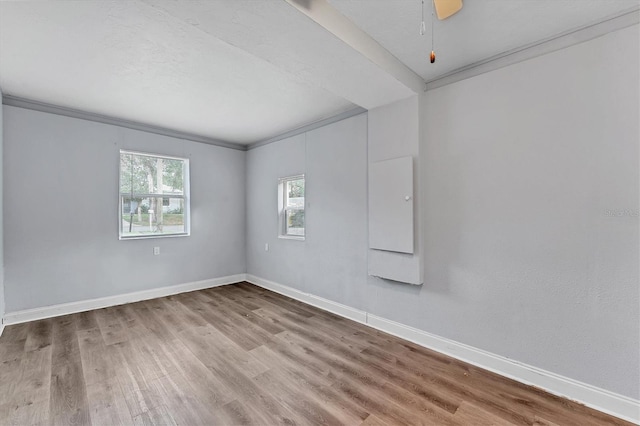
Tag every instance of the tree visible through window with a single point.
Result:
(291, 196)
(154, 198)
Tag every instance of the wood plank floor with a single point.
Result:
(239, 354)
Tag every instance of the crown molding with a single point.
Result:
(539, 48)
(19, 102)
(308, 127)
(589, 32)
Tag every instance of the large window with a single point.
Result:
(154, 195)
(291, 201)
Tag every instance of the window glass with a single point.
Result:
(153, 199)
(291, 196)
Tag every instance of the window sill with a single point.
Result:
(145, 237)
(290, 237)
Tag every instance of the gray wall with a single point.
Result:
(2, 307)
(521, 166)
(285, 259)
(529, 178)
(61, 213)
(332, 261)
(530, 202)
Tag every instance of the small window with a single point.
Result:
(154, 196)
(291, 202)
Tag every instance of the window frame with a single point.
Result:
(283, 209)
(185, 196)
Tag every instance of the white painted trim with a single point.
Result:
(103, 302)
(591, 396)
(600, 399)
(539, 48)
(319, 302)
(308, 127)
(1, 327)
(19, 102)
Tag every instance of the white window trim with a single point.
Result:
(185, 196)
(281, 209)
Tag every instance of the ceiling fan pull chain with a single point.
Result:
(432, 56)
(423, 27)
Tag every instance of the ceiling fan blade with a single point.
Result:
(446, 8)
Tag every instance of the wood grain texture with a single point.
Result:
(240, 354)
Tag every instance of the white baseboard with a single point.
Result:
(325, 304)
(120, 299)
(600, 399)
(1, 328)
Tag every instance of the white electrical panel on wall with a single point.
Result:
(391, 205)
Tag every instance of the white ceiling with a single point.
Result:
(482, 29)
(129, 60)
(246, 70)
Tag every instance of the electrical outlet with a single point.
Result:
(266, 246)
(156, 251)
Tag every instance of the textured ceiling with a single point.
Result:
(239, 71)
(279, 34)
(246, 70)
(482, 29)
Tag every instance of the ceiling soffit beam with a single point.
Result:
(344, 29)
